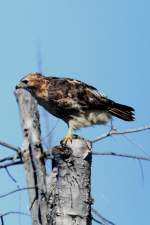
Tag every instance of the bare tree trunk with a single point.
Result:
(64, 197)
(32, 155)
(69, 198)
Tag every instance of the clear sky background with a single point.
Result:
(103, 43)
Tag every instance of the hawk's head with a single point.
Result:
(31, 81)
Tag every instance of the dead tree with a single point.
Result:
(64, 197)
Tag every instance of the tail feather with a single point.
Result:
(122, 111)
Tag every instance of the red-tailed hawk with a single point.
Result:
(73, 101)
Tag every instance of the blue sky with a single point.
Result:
(103, 43)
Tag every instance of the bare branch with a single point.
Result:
(11, 212)
(116, 132)
(126, 155)
(140, 147)
(14, 212)
(16, 190)
(104, 220)
(2, 166)
(13, 179)
(49, 135)
(97, 221)
(10, 146)
(2, 220)
(7, 158)
(141, 170)
(10, 176)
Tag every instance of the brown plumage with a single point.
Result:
(73, 101)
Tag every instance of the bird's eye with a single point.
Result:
(24, 81)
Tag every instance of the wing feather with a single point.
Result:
(76, 94)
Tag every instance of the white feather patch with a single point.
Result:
(89, 118)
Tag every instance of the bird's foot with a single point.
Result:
(68, 138)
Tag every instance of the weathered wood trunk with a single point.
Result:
(33, 157)
(64, 197)
(69, 197)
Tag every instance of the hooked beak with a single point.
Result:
(21, 85)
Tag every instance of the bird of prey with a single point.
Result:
(73, 101)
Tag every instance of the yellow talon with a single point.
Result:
(68, 137)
